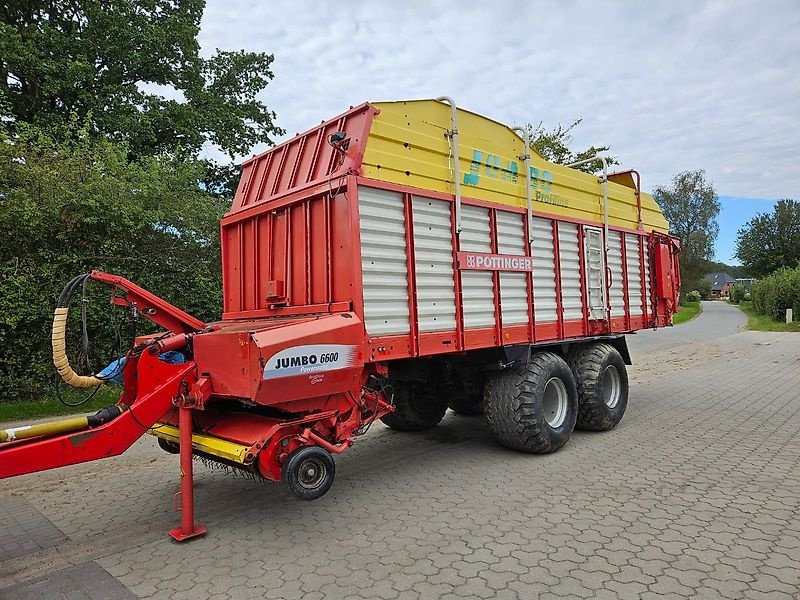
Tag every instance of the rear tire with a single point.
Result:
(602, 382)
(533, 407)
(417, 407)
(465, 392)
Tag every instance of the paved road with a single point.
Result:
(717, 320)
(695, 495)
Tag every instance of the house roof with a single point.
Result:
(718, 280)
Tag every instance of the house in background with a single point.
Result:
(721, 285)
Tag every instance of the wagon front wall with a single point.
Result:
(428, 290)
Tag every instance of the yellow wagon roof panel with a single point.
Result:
(408, 145)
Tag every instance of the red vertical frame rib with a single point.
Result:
(326, 204)
(288, 257)
(240, 304)
(643, 291)
(268, 274)
(308, 237)
(626, 302)
(498, 313)
(584, 285)
(408, 215)
(351, 256)
(529, 280)
(457, 293)
(557, 264)
(255, 263)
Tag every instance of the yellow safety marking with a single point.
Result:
(204, 443)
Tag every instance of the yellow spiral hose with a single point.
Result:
(60, 353)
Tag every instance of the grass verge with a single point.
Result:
(758, 322)
(686, 313)
(51, 406)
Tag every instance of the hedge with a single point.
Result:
(777, 292)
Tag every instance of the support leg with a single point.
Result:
(188, 528)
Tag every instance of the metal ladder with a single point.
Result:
(595, 273)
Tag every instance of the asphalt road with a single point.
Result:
(696, 494)
(717, 320)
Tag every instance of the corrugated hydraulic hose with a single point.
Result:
(60, 359)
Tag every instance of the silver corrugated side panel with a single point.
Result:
(616, 291)
(648, 299)
(383, 261)
(569, 259)
(513, 286)
(477, 289)
(634, 274)
(433, 252)
(544, 271)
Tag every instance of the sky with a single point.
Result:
(676, 86)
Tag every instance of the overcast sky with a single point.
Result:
(668, 86)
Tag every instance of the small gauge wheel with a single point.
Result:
(309, 472)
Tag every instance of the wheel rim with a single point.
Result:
(555, 402)
(612, 388)
(311, 473)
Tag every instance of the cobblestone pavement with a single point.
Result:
(695, 494)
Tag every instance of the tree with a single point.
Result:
(554, 145)
(691, 207)
(75, 204)
(102, 60)
(769, 242)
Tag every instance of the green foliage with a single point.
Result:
(107, 61)
(738, 293)
(771, 241)
(777, 292)
(687, 312)
(691, 207)
(700, 285)
(50, 406)
(694, 296)
(76, 204)
(759, 322)
(554, 145)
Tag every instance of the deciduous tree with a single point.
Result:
(132, 70)
(554, 145)
(691, 206)
(771, 241)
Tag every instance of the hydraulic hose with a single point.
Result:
(58, 337)
(104, 415)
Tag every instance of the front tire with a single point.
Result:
(417, 407)
(533, 407)
(602, 382)
(309, 472)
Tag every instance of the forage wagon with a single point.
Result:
(394, 261)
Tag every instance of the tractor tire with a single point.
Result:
(533, 407)
(309, 472)
(465, 393)
(602, 382)
(417, 407)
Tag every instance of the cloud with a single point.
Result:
(669, 86)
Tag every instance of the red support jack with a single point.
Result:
(188, 528)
